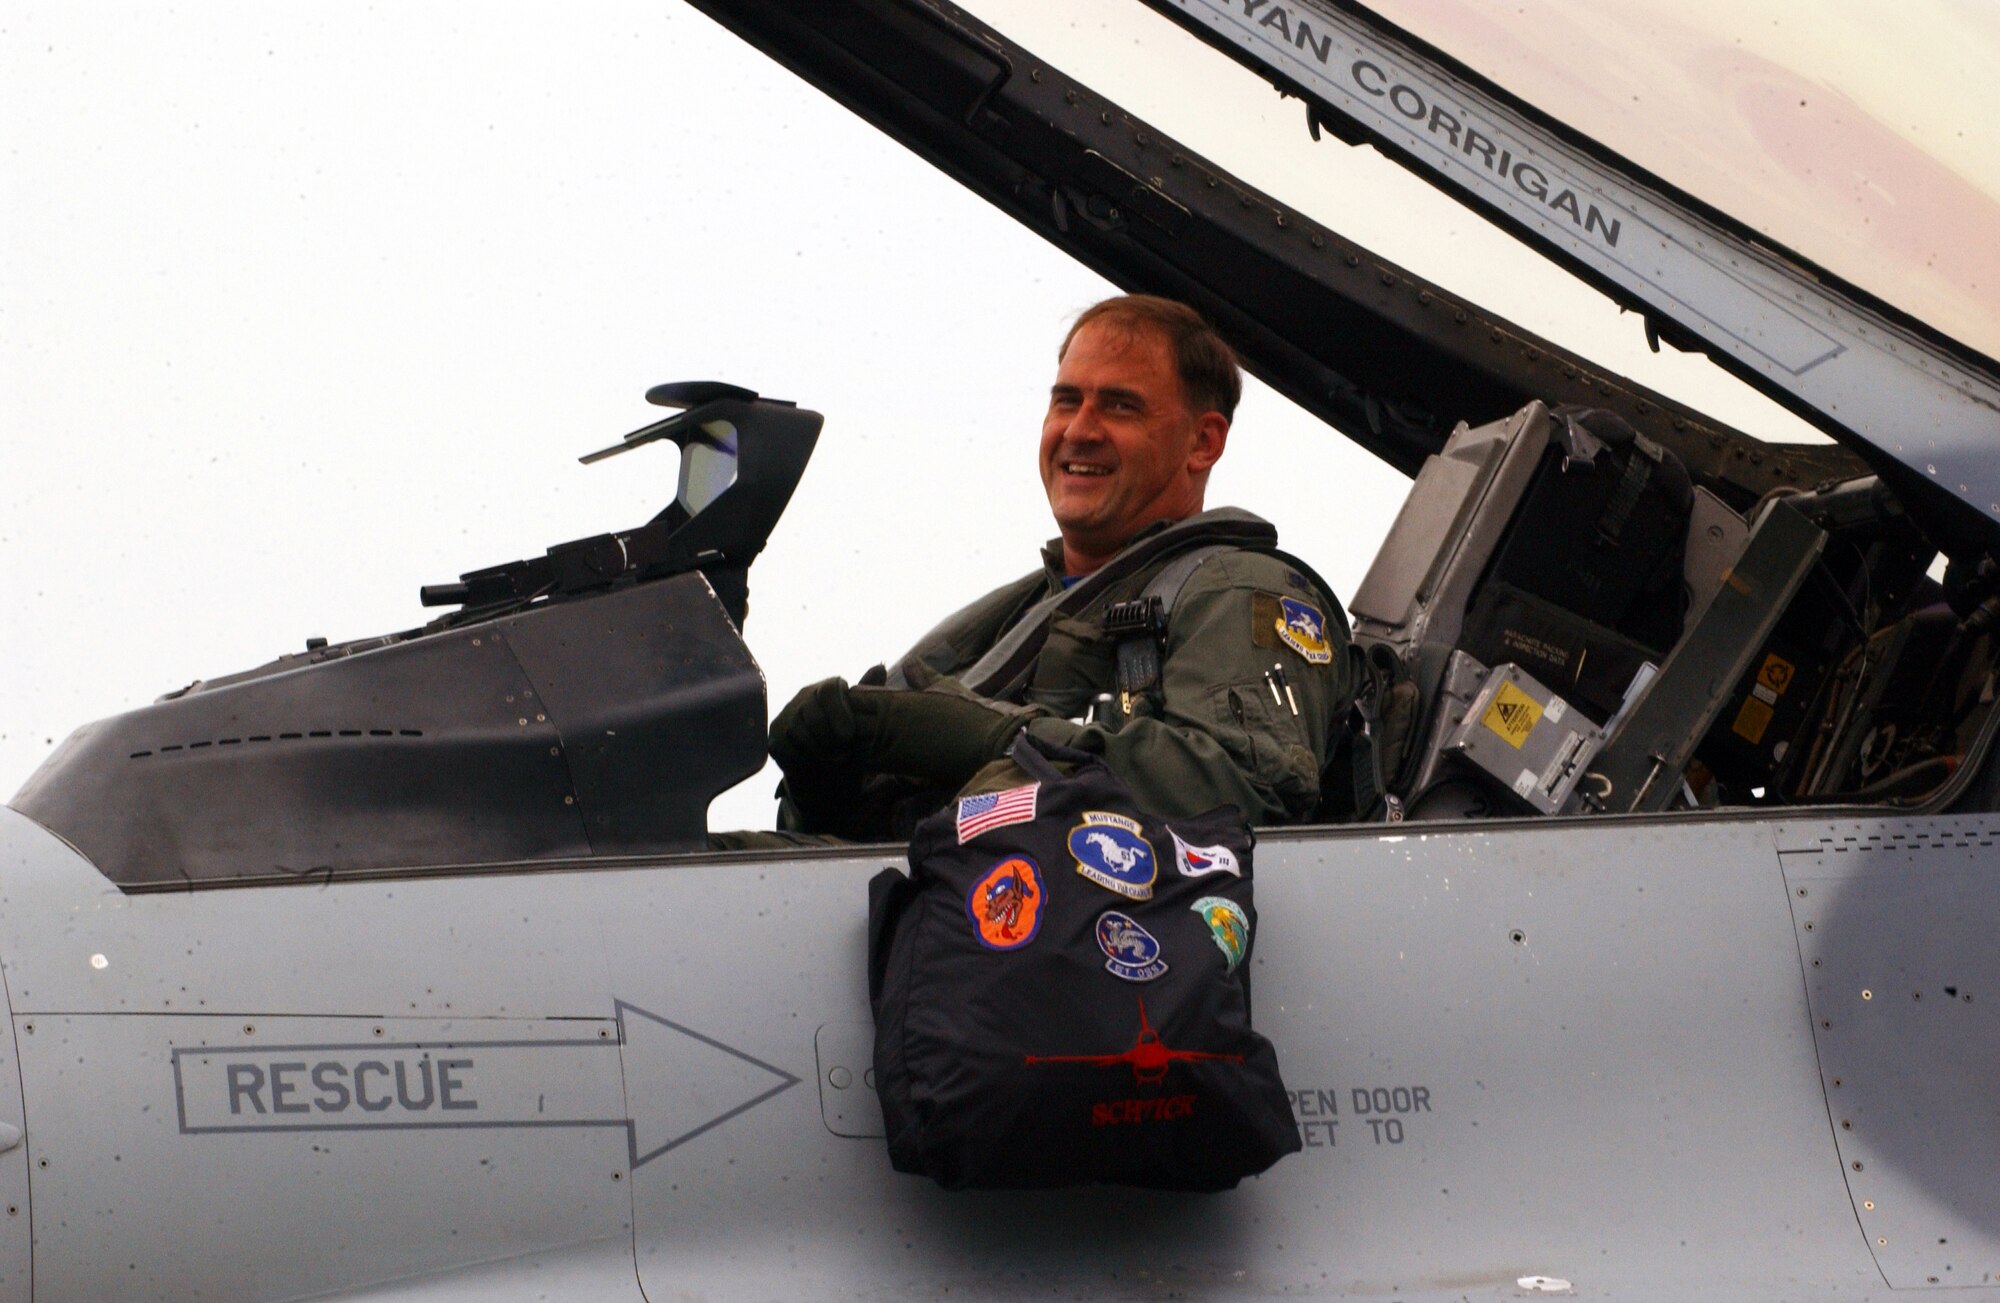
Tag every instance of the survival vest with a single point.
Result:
(1061, 992)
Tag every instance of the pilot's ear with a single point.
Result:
(1211, 434)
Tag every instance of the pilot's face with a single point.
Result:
(1120, 449)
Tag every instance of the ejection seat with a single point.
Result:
(1540, 571)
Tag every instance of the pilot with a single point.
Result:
(1234, 695)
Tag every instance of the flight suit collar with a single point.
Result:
(1052, 551)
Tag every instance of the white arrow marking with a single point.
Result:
(675, 1084)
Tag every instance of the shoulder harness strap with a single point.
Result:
(1004, 669)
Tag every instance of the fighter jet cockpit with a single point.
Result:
(1596, 599)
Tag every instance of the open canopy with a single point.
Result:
(1388, 357)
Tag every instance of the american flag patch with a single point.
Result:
(978, 814)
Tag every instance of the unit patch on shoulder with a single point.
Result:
(1228, 924)
(1111, 853)
(1194, 861)
(1130, 951)
(1302, 628)
(1005, 904)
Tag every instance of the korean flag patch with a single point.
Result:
(1195, 861)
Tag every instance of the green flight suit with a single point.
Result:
(1222, 730)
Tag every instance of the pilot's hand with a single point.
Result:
(942, 734)
(816, 729)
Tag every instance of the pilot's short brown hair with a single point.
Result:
(1210, 376)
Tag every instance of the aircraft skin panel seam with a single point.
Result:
(1805, 1006)
(20, 1095)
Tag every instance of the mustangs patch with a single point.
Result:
(1228, 924)
(1131, 952)
(1005, 904)
(1194, 861)
(1111, 853)
(1302, 628)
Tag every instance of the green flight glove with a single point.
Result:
(942, 734)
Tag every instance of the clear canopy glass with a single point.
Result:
(1863, 136)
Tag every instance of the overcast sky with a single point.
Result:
(302, 307)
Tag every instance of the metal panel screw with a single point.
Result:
(1857, 1165)
(1868, 995)
(1868, 1204)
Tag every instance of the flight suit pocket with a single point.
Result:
(1267, 741)
(1077, 663)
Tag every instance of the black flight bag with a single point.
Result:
(1061, 992)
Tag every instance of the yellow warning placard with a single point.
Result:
(1776, 674)
(1512, 715)
(1752, 720)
